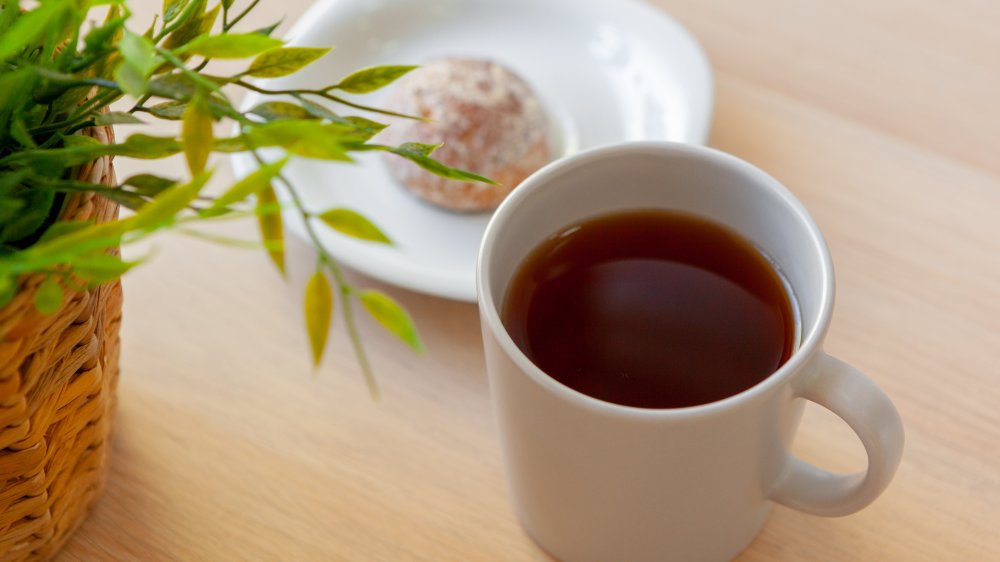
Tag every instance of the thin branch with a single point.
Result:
(240, 16)
(338, 275)
(325, 94)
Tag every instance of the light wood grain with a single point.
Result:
(883, 117)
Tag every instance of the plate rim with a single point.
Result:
(242, 164)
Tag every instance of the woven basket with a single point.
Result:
(57, 395)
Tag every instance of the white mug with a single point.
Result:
(596, 481)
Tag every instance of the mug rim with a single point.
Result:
(489, 310)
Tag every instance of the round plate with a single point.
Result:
(608, 71)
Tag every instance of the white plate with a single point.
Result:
(608, 71)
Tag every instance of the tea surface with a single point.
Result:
(651, 309)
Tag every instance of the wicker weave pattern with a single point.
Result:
(57, 394)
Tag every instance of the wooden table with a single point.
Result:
(883, 117)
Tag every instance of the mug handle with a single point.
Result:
(853, 397)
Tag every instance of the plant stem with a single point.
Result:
(241, 15)
(194, 76)
(325, 95)
(178, 21)
(224, 240)
(342, 285)
(97, 102)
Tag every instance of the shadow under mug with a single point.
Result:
(596, 481)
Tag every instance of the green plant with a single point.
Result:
(58, 74)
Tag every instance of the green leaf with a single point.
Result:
(9, 208)
(28, 28)
(30, 218)
(283, 61)
(116, 118)
(304, 137)
(320, 111)
(172, 110)
(172, 9)
(149, 184)
(152, 28)
(8, 288)
(62, 228)
(418, 149)
(101, 268)
(414, 153)
(100, 37)
(145, 146)
(271, 229)
(21, 134)
(139, 52)
(364, 129)
(139, 59)
(367, 125)
(132, 81)
(193, 22)
(269, 29)
(275, 110)
(196, 132)
(82, 141)
(252, 184)
(126, 199)
(229, 45)
(81, 149)
(371, 79)
(354, 225)
(175, 86)
(9, 12)
(232, 144)
(48, 296)
(164, 207)
(78, 242)
(392, 317)
(318, 305)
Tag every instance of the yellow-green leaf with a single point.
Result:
(305, 137)
(94, 237)
(143, 146)
(318, 304)
(196, 132)
(416, 153)
(172, 8)
(194, 21)
(139, 52)
(148, 184)
(371, 79)
(165, 206)
(353, 224)
(101, 268)
(271, 229)
(392, 317)
(130, 79)
(275, 110)
(116, 118)
(252, 184)
(171, 110)
(418, 148)
(48, 296)
(229, 45)
(283, 61)
(139, 59)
